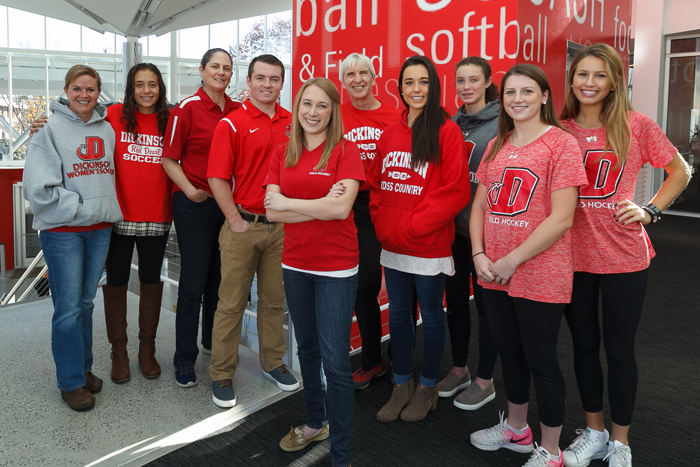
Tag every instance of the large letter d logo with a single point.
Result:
(93, 149)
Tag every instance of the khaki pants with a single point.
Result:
(259, 249)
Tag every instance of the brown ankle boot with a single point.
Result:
(424, 400)
(149, 315)
(115, 319)
(400, 397)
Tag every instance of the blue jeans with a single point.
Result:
(430, 290)
(75, 261)
(321, 309)
(197, 226)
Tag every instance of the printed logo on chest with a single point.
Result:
(603, 176)
(513, 194)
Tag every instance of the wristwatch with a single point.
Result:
(653, 211)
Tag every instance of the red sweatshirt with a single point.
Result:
(413, 210)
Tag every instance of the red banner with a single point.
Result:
(504, 32)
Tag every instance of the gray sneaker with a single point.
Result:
(452, 383)
(284, 379)
(222, 393)
(474, 397)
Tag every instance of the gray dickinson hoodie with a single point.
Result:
(478, 130)
(69, 170)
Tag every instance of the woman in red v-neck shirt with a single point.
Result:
(612, 251)
(319, 260)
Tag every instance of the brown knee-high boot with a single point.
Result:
(115, 319)
(149, 315)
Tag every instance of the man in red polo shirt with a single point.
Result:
(240, 153)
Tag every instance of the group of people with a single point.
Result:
(537, 210)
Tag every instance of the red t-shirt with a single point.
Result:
(601, 245)
(189, 132)
(364, 127)
(241, 148)
(413, 210)
(144, 190)
(318, 245)
(519, 182)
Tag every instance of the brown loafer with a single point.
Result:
(79, 399)
(92, 383)
(295, 438)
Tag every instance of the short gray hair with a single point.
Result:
(355, 59)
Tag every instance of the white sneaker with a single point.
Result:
(541, 458)
(500, 436)
(619, 455)
(585, 448)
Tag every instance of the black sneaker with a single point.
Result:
(222, 393)
(185, 376)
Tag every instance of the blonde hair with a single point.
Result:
(616, 105)
(77, 71)
(334, 136)
(505, 122)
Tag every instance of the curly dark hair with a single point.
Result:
(128, 118)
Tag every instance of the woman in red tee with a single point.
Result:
(319, 260)
(522, 211)
(611, 248)
(419, 181)
(144, 194)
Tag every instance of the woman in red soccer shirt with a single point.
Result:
(611, 248)
(522, 211)
(419, 181)
(364, 120)
(198, 218)
(319, 260)
(478, 120)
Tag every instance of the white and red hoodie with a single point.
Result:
(413, 210)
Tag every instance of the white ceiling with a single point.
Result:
(145, 17)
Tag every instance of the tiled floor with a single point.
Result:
(132, 423)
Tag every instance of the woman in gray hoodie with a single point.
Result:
(69, 183)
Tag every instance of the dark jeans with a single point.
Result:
(321, 310)
(458, 316)
(525, 333)
(197, 226)
(430, 290)
(369, 284)
(621, 315)
(150, 252)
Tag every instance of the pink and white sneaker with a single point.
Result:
(500, 436)
(542, 458)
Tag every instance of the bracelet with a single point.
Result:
(477, 254)
(653, 211)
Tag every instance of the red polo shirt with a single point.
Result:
(241, 148)
(189, 133)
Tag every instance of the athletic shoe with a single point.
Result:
(222, 393)
(294, 440)
(362, 378)
(586, 447)
(474, 397)
(452, 383)
(185, 376)
(284, 379)
(541, 458)
(619, 455)
(500, 436)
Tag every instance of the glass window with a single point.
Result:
(95, 42)
(159, 46)
(3, 26)
(279, 35)
(144, 45)
(62, 35)
(223, 35)
(120, 40)
(28, 95)
(685, 45)
(26, 30)
(189, 80)
(193, 42)
(251, 38)
(285, 99)
(242, 89)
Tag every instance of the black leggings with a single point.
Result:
(525, 333)
(458, 316)
(150, 251)
(623, 298)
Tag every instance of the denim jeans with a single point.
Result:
(321, 310)
(197, 226)
(75, 261)
(430, 290)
